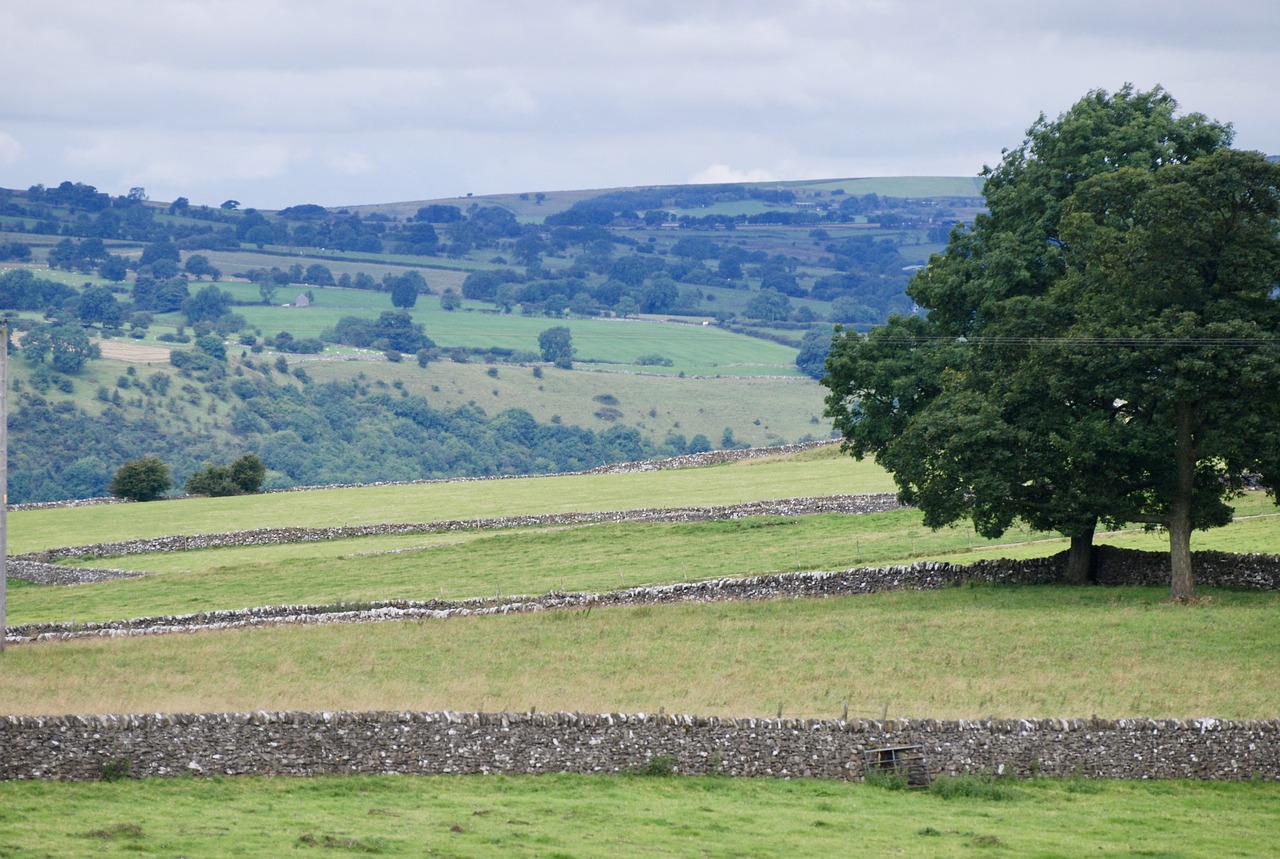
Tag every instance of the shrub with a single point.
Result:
(983, 786)
(886, 779)
(658, 766)
(245, 475)
(114, 769)
(654, 360)
(144, 479)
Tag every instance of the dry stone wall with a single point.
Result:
(1115, 567)
(846, 504)
(303, 743)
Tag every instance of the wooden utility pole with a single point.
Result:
(4, 479)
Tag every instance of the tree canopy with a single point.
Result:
(556, 346)
(142, 479)
(1013, 399)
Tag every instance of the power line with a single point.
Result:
(1083, 341)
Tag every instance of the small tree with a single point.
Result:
(243, 476)
(556, 345)
(405, 289)
(144, 479)
(248, 472)
(212, 480)
(66, 346)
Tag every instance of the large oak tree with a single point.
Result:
(974, 408)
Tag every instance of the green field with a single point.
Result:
(1079, 650)
(1029, 652)
(630, 816)
(820, 472)
(462, 565)
(693, 349)
(760, 411)
(966, 652)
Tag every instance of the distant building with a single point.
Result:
(303, 300)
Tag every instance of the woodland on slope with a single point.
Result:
(412, 346)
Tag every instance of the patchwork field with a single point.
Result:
(964, 652)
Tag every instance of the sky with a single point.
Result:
(344, 102)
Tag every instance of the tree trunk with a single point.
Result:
(1183, 579)
(1080, 558)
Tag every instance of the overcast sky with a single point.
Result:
(279, 102)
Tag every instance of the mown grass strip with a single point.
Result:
(957, 653)
(736, 483)
(534, 561)
(628, 816)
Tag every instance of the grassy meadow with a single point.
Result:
(823, 471)
(965, 652)
(631, 816)
(533, 561)
(959, 653)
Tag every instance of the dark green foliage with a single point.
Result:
(286, 342)
(160, 296)
(406, 288)
(213, 346)
(115, 769)
(483, 285)
(658, 766)
(318, 274)
(248, 472)
(207, 305)
(199, 266)
(157, 251)
(310, 435)
(556, 346)
(22, 290)
(243, 476)
(974, 409)
(194, 361)
(699, 444)
(66, 346)
(813, 352)
(17, 251)
(439, 214)
(144, 479)
(303, 212)
(393, 329)
(654, 360)
(770, 305)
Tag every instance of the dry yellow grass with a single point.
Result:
(960, 653)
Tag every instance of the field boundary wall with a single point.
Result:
(79, 748)
(1114, 567)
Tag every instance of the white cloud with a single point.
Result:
(345, 102)
(718, 173)
(10, 149)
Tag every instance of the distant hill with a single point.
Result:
(552, 202)
(698, 317)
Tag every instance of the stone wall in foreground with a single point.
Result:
(302, 743)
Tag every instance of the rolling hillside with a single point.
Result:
(698, 316)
